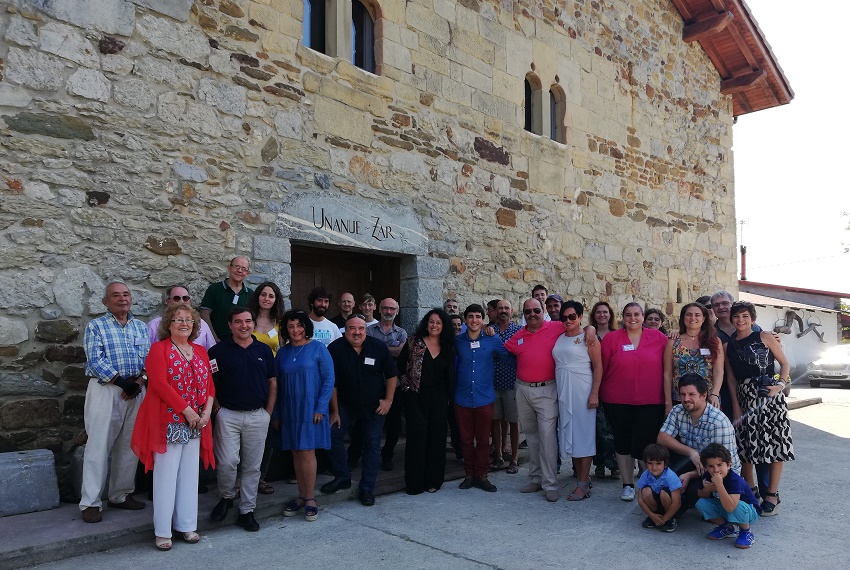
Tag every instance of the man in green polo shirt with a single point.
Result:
(222, 296)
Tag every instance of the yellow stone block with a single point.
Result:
(340, 120)
(352, 97)
(266, 15)
(363, 80)
(318, 62)
(276, 42)
(508, 87)
(294, 8)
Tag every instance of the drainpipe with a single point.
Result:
(743, 263)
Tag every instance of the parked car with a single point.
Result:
(833, 366)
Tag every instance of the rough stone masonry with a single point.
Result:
(152, 140)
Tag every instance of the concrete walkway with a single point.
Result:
(462, 529)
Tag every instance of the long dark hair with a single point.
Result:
(707, 333)
(612, 320)
(447, 335)
(276, 312)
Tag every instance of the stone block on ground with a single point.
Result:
(29, 482)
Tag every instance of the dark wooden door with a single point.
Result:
(343, 271)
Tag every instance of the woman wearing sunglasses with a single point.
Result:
(578, 373)
(632, 390)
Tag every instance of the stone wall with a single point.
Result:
(152, 140)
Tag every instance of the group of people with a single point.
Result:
(226, 386)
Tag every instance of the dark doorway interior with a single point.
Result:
(339, 271)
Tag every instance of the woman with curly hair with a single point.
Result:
(696, 350)
(427, 360)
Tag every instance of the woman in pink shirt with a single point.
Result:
(632, 390)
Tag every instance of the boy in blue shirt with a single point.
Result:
(726, 497)
(659, 490)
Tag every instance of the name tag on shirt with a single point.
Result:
(519, 342)
(369, 361)
(628, 347)
(236, 299)
(142, 341)
(475, 344)
(272, 333)
(705, 352)
(213, 365)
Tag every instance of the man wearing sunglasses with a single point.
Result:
(179, 295)
(220, 298)
(537, 394)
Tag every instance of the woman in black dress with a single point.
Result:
(427, 362)
(762, 426)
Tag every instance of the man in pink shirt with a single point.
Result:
(537, 396)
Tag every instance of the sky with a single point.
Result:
(790, 191)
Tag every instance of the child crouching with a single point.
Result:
(659, 490)
(726, 497)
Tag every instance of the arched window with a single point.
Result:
(533, 105)
(313, 25)
(362, 37)
(557, 114)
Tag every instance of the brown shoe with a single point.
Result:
(129, 503)
(92, 515)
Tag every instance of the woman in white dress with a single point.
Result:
(578, 372)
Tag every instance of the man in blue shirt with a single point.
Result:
(116, 346)
(475, 395)
(505, 411)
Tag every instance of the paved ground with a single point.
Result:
(455, 529)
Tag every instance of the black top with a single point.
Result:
(339, 321)
(361, 379)
(437, 373)
(724, 338)
(749, 357)
(241, 375)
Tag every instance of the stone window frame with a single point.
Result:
(533, 104)
(557, 113)
(339, 31)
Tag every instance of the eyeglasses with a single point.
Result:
(570, 317)
(721, 304)
(183, 321)
(529, 311)
(184, 298)
(241, 268)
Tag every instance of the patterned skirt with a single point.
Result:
(764, 432)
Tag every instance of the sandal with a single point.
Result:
(191, 537)
(513, 468)
(497, 464)
(264, 488)
(584, 488)
(311, 512)
(292, 507)
(163, 544)
(770, 509)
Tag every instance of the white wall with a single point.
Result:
(801, 351)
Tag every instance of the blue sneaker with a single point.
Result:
(722, 531)
(745, 539)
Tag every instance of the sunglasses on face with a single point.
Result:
(178, 298)
(570, 317)
(530, 311)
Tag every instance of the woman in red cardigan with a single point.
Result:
(173, 425)
(632, 390)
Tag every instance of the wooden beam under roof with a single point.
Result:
(742, 82)
(707, 27)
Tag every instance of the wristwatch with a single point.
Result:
(144, 375)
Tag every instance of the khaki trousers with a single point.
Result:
(240, 438)
(538, 420)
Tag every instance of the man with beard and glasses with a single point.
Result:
(324, 330)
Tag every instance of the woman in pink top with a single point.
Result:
(632, 390)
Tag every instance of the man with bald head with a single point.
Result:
(116, 346)
(346, 307)
(394, 338)
(222, 296)
(175, 295)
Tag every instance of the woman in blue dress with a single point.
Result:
(305, 382)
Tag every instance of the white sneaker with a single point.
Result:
(628, 493)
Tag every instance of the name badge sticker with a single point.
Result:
(213, 365)
(519, 342)
(272, 333)
(142, 341)
(236, 299)
(628, 347)
(369, 361)
(475, 344)
(705, 352)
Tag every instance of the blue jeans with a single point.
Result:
(372, 426)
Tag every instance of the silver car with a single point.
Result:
(833, 366)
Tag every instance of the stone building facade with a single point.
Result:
(153, 140)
